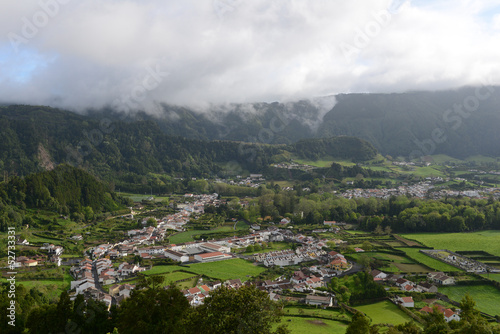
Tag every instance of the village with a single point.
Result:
(108, 272)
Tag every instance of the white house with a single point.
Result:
(406, 301)
(176, 256)
(319, 300)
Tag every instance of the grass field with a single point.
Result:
(163, 270)
(487, 297)
(140, 197)
(410, 268)
(300, 325)
(484, 240)
(276, 246)
(188, 235)
(493, 277)
(51, 289)
(227, 269)
(433, 264)
(314, 312)
(325, 162)
(384, 312)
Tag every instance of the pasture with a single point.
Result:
(433, 264)
(476, 241)
(384, 312)
(50, 288)
(493, 277)
(227, 269)
(485, 296)
(189, 235)
(299, 325)
(163, 270)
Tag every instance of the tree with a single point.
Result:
(378, 230)
(387, 230)
(245, 310)
(359, 324)
(364, 260)
(151, 222)
(153, 309)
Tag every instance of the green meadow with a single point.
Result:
(485, 296)
(384, 312)
(487, 241)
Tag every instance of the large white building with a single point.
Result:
(176, 256)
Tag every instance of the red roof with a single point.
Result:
(194, 290)
(207, 255)
(407, 299)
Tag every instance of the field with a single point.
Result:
(428, 261)
(314, 312)
(276, 246)
(484, 240)
(395, 263)
(188, 235)
(51, 288)
(325, 162)
(493, 277)
(384, 312)
(163, 270)
(227, 269)
(140, 197)
(299, 325)
(485, 296)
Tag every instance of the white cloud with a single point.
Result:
(89, 53)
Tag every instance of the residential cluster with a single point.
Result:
(433, 279)
(254, 181)
(53, 255)
(420, 190)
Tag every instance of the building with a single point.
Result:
(406, 301)
(176, 256)
(319, 300)
(448, 314)
(215, 256)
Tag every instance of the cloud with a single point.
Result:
(89, 54)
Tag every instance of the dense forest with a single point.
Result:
(396, 124)
(400, 214)
(37, 138)
(66, 190)
(150, 309)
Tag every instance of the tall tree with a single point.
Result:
(245, 310)
(153, 309)
(360, 324)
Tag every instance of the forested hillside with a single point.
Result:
(65, 190)
(396, 124)
(38, 138)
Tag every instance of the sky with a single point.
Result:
(135, 54)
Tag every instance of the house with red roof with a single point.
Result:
(406, 301)
(448, 314)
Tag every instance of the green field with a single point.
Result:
(476, 241)
(300, 325)
(325, 162)
(487, 297)
(433, 264)
(384, 312)
(315, 312)
(493, 277)
(276, 246)
(50, 288)
(405, 268)
(163, 270)
(140, 197)
(227, 269)
(188, 235)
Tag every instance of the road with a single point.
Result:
(97, 284)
